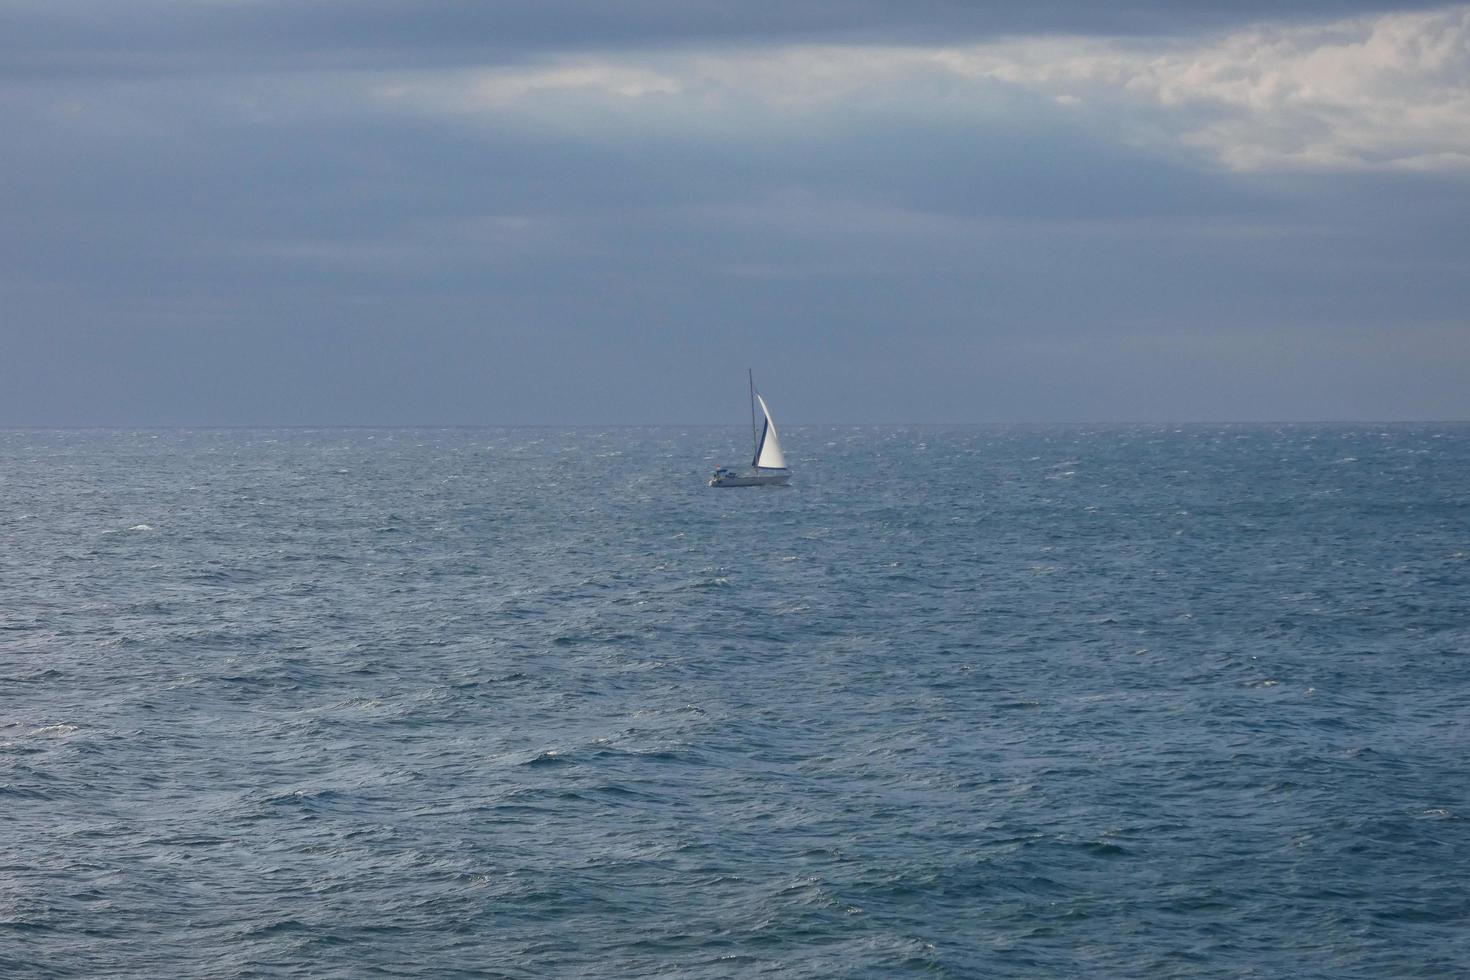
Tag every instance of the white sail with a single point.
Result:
(768, 453)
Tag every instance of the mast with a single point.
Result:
(755, 439)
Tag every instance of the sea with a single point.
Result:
(1025, 701)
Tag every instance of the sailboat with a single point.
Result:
(768, 465)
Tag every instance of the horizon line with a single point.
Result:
(1071, 423)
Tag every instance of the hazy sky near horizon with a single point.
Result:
(433, 211)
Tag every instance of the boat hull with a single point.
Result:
(750, 480)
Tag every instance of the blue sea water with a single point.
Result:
(960, 702)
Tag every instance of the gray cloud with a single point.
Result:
(97, 37)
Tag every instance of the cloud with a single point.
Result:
(46, 38)
(1382, 90)
(1390, 91)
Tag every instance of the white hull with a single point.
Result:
(750, 479)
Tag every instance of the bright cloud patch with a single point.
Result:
(1383, 92)
(1389, 91)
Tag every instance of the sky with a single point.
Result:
(378, 212)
